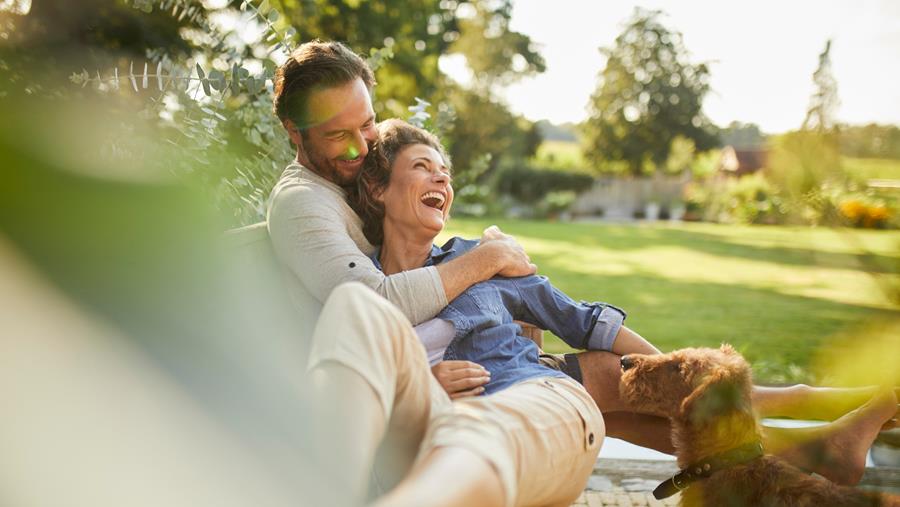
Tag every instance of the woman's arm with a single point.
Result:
(592, 326)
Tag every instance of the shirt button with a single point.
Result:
(590, 439)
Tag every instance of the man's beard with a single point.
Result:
(327, 168)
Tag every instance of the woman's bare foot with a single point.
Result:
(801, 401)
(838, 450)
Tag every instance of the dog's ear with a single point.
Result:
(721, 391)
(728, 349)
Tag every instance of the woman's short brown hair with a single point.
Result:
(393, 136)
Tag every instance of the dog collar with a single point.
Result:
(706, 467)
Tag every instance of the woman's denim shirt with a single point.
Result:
(483, 317)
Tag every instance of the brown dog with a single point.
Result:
(706, 393)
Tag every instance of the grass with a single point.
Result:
(800, 303)
(872, 168)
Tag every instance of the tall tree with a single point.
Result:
(648, 95)
(824, 102)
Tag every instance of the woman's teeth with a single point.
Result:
(433, 200)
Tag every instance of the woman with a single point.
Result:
(404, 197)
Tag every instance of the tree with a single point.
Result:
(495, 54)
(806, 164)
(823, 104)
(742, 135)
(648, 95)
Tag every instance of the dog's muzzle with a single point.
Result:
(627, 363)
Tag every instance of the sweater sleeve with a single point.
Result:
(310, 236)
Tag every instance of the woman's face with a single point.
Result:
(418, 196)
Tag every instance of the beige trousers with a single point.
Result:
(541, 435)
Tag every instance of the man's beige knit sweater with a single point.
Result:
(319, 239)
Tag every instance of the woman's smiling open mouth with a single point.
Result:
(434, 200)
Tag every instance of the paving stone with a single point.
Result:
(673, 500)
(623, 500)
(608, 498)
(638, 499)
(594, 499)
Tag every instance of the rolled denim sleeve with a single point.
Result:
(606, 327)
(582, 325)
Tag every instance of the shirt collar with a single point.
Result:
(437, 255)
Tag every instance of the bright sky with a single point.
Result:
(762, 54)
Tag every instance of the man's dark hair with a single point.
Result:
(314, 66)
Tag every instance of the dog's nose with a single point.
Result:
(626, 363)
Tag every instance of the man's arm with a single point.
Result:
(497, 254)
(309, 236)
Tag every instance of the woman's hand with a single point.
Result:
(461, 378)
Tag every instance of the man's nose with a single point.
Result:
(627, 363)
(360, 145)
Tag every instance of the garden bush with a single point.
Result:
(748, 200)
(530, 185)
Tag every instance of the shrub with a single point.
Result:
(857, 212)
(749, 200)
(555, 203)
(530, 185)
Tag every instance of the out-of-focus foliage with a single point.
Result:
(484, 126)
(495, 54)
(803, 165)
(871, 141)
(118, 283)
(742, 135)
(748, 200)
(648, 94)
(471, 121)
(704, 164)
(820, 115)
(530, 185)
(202, 73)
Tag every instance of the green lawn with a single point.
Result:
(872, 168)
(802, 304)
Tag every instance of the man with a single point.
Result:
(323, 97)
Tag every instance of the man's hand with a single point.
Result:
(461, 378)
(512, 259)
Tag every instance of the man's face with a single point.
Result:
(340, 133)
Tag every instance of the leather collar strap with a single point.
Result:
(706, 467)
